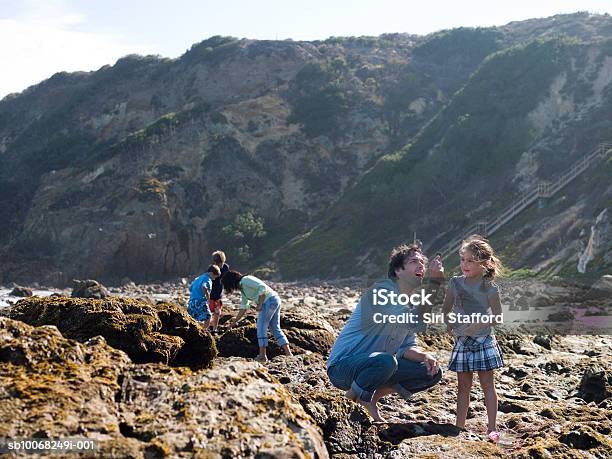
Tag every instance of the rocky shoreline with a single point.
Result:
(116, 370)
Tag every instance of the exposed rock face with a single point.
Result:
(236, 409)
(89, 289)
(599, 243)
(132, 170)
(64, 387)
(438, 165)
(147, 333)
(151, 213)
(56, 388)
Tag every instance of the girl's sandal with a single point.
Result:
(493, 436)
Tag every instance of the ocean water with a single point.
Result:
(5, 297)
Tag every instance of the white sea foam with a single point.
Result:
(5, 296)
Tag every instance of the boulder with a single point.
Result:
(127, 282)
(305, 329)
(236, 409)
(515, 343)
(510, 406)
(147, 333)
(516, 373)
(89, 289)
(595, 385)
(23, 292)
(52, 387)
(543, 340)
(346, 427)
(561, 316)
(552, 368)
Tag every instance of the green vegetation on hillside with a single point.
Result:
(399, 94)
(445, 173)
(317, 98)
(211, 51)
(383, 41)
(469, 44)
(164, 126)
(454, 110)
(240, 235)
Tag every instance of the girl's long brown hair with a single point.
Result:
(483, 253)
(231, 281)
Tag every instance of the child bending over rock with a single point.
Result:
(267, 304)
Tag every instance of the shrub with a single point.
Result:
(245, 229)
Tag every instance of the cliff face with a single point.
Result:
(525, 116)
(135, 169)
(142, 168)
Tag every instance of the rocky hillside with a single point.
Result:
(525, 116)
(285, 153)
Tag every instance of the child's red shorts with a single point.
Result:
(215, 306)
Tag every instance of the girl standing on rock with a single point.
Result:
(267, 303)
(475, 295)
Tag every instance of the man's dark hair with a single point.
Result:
(214, 269)
(398, 257)
(231, 281)
(439, 254)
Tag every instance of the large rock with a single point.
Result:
(89, 289)
(147, 333)
(345, 425)
(347, 430)
(21, 291)
(305, 329)
(595, 385)
(51, 387)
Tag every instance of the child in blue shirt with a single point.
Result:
(199, 295)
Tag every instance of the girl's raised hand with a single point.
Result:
(436, 267)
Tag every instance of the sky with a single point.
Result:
(42, 37)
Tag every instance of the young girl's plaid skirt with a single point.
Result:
(479, 353)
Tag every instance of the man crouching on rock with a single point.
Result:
(376, 353)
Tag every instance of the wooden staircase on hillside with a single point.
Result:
(539, 191)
